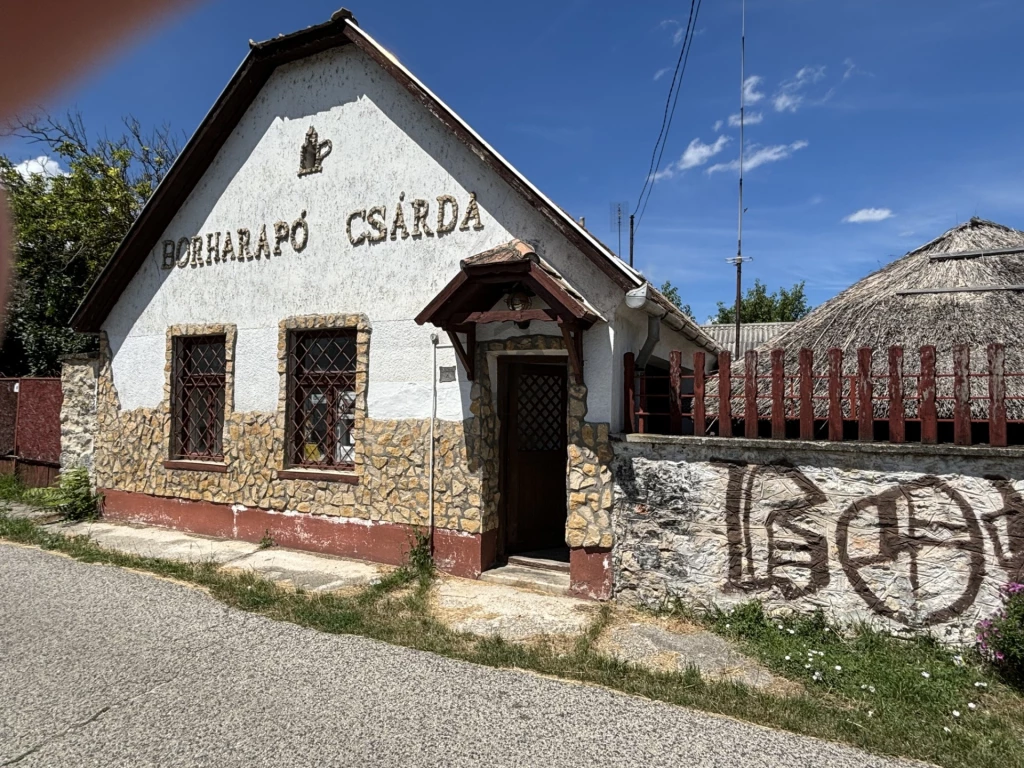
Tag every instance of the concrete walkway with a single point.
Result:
(106, 667)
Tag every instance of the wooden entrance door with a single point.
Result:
(533, 455)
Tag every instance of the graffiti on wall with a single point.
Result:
(914, 553)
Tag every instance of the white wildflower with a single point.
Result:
(972, 706)
(816, 676)
(781, 627)
(956, 713)
(807, 666)
(871, 688)
(926, 674)
(871, 713)
(838, 668)
(946, 729)
(958, 660)
(981, 685)
(791, 631)
(787, 658)
(863, 687)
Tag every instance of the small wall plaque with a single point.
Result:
(447, 373)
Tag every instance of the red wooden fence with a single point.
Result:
(881, 400)
(30, 429)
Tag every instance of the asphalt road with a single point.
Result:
(105, 667)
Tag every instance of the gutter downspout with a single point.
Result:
(639, 298)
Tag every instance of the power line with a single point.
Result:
(670, 108)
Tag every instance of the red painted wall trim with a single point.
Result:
(590, 573)
(457, 553)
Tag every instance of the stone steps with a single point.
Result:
(549, 582)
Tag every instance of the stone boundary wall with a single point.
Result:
(907, 538)
(78, 381)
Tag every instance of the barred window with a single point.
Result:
(322, 396)
(198, 397)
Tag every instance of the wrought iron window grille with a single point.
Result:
(321, 399)
(197, 428)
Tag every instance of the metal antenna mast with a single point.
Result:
(738, 259)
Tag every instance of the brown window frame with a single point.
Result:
(186, 382)
(334, 383)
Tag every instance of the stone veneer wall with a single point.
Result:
(907, 537)
(78, 381)
(390, 482)
(588, 468)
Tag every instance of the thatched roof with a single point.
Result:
(964, 287)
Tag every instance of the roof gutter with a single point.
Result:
(650, 301)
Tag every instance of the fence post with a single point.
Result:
(835, 394)
(725, 394)
(675, 397)
(897, 418)
(962, 394)
(778, 400)
(865, 392)
(926, 397)
(750, 394)
(629, 393)
(806, 394)
(699, 415)
(996, 395)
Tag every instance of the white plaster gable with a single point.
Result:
(385, 143)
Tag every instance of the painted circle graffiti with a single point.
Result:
(908, 550)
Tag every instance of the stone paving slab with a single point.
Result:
(18, 510)
(515, 614)
(316, 573)
(658, 648)
(160, 542)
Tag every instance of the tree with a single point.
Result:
(672, 294)
(67, 225)
(759, 306)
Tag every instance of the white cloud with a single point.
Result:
(717, 126)
(758, 156)
(750, 93)
(787, 102)
(678, 31)
(789, 97)
(750, 118)
(850, 69)
(697, 153)
(865, 215)
(42, 164)
(810, 75)
(658, 75)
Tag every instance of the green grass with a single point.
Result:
(904, 715)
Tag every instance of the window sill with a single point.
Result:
(318, 474)
(196, 465)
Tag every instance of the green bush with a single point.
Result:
(72, 497)
(1001, 638)
(11, 488)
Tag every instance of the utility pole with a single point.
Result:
(738, 258)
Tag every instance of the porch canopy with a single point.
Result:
(515, 272)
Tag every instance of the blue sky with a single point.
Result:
(908, 110)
